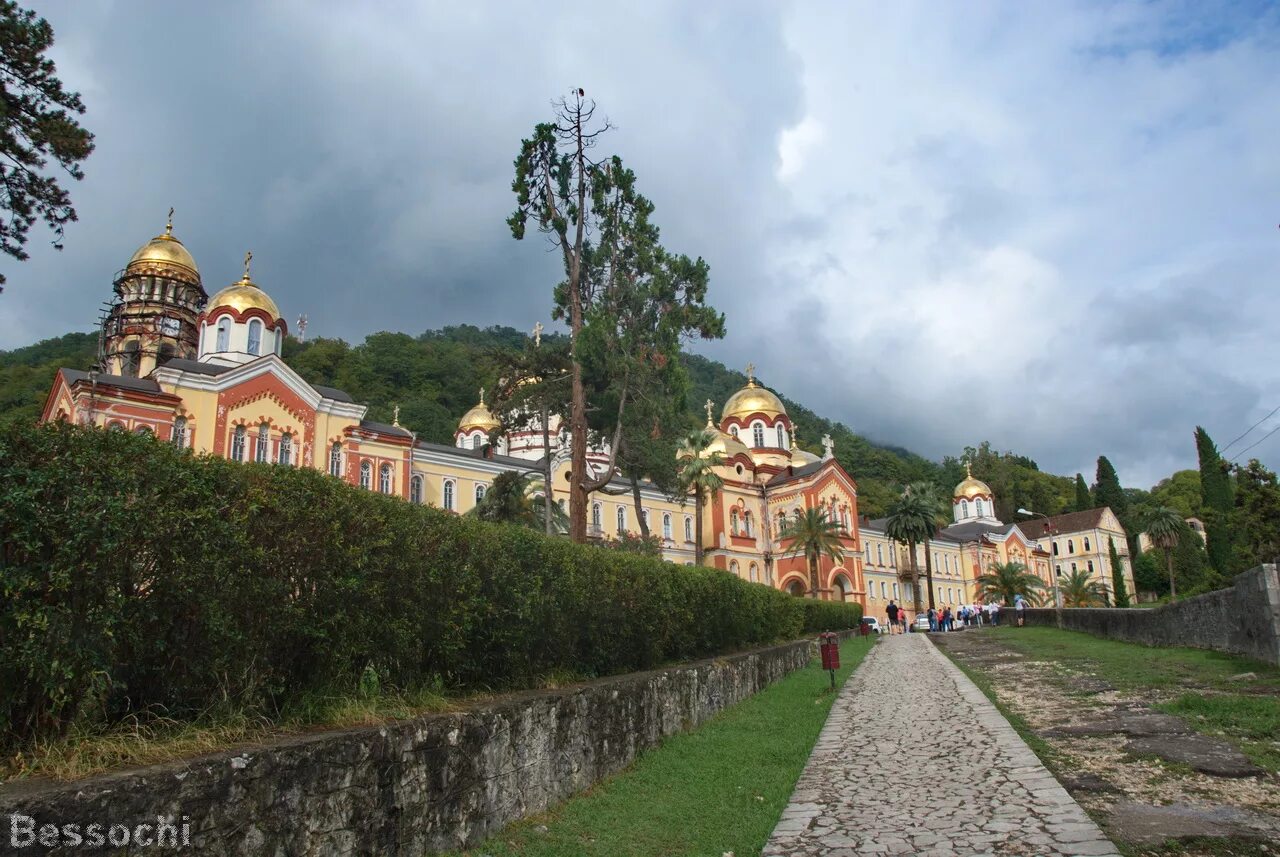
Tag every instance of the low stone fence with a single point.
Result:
(437, 782)
(1243, 619)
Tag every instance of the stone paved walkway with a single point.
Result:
(909, 704)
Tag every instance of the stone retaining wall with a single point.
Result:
(433, 783)
(1243, 619)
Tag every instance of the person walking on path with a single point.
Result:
(892, 613)
(1020, 609)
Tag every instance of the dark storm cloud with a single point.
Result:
(937, 224)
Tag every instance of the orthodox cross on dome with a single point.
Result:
(168, 227)
(482, 395)
(537, 335)
(751, 374)
(395, 417)
(709, 406)
(248, 257)
(828, 446)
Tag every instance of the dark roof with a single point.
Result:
(126, 383)
(798, 473)
(333, 393)
(184, 365)
(878, 525)
(974, 530)
(471, 452)
(1071, 522)
(384, 428)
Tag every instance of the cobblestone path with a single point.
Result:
(915, 760)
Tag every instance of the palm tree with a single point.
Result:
(1078, 589)
(930, 500)
(815, 535)
(1164, 526)
(697, 474)
(516, 498)
(1005, 580)
(911, 521)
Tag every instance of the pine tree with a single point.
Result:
(1218, 501)
(1084, 500)
(1121, 598)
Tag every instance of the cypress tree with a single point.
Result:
(1117, 574)
(1108, 491)
(1218, 499)
(1084, 500)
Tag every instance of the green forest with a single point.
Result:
(435, 377)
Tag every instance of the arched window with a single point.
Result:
(384, 479)
(688, 529)
(666, 525)
(1057, 569)
(366, 475)
(978, 505)
(1073, 568)
(879, 554)
(224, 334)
(733, 568)
(475, 441)
(746, 524)
(132, 359)
(286, 449)
(179, 436)
(1091, 566)
(895, 592)
(964, 508)
(479, 493)
(733, 521)
(782, 437)
(255, 337)
(1086, 544)
(142, 430)
(622, 519)
(757, 435)
(1071, 546)
(733, 430)
(782, 522)
(883, 590)
(448, 494)
(644, 514)
(237, 444)
(893, 557)
(115, 425)
(260, 451)
(597, 513)
(753, 573)
(415, 489)
(335, 459)
(1055, 548)
(842, 587)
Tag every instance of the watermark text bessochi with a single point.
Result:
(166, 832)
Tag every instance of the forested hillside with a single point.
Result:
(435, 377)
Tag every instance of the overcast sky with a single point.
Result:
(1048, 225)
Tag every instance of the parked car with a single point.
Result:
(873, 625)
(921, 623)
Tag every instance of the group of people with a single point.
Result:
(945, 619)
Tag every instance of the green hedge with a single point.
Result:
(140, 579)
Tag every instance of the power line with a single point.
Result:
(1251, 428)
(1264, 437)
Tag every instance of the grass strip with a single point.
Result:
(720, 788)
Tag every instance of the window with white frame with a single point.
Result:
(644, 514)
(666, 525)
(1086, 544)
(879, 554)
(1091, 566)
(335, 459)
(782, 437)
(1071, 546)
(884, 591)
(179, 436)
(753, 573)
(733, 521)
(895, 591)
(479, 493)
(448, 494)
(622, 519)
(688, 529)
(475, 441)
(366, 476)
(255, 337)
(596, 513)
(415, 490)
(238, 440)
(286, 449)
(224, 334)
(263, 443)
(757, 434)
(733, 568)
(384, 479)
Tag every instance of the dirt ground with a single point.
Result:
(1105, 746)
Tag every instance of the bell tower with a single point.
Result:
(158, 298)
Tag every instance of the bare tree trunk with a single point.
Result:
(697, 517)
(928, 571)
(635, 496)
(546, 470)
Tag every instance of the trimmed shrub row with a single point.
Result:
(136, 579)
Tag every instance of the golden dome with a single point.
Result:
(244, 295)
(970, 487)
(799, 456)
(727, 445)
(166, 251)
(479, 417)
(752, 400)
